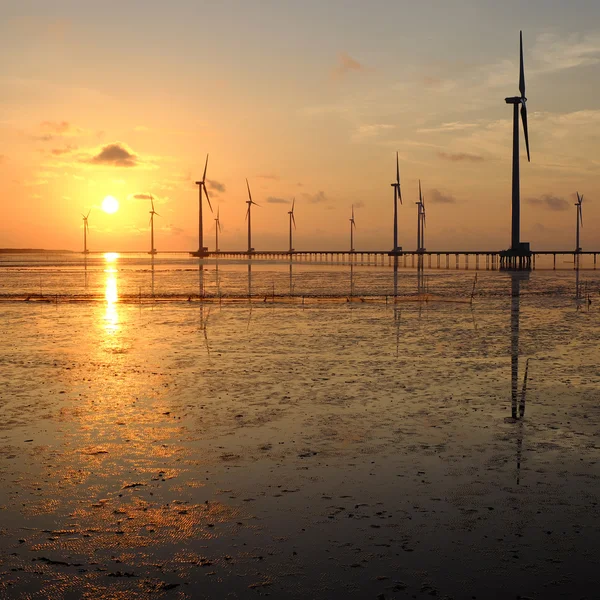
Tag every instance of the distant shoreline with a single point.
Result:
(33, 251)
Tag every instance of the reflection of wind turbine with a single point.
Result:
(217, 231)
(152, 213)
(202, 186)
(86, 228)
(579, 219)
(292, 221)
(397, 196)
(352, 228)
(517, 101)
(249, 202)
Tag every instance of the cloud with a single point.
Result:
(116, 154)
(268, 176)
(346, 64)
(215, 186)
(371, 131)
(446, 127)
(436, 197)
(274, 200)
(554, 54)
(359, 204)
(460, 157)
(50, 130)
(549, 202)
(60, 151)
(141, 197)
(317, 198)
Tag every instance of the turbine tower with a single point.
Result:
(397, 196)
(579, 219)
(518, 249)
(152, 213)
(202, 186)
(85, 231)
(249, 202)
(292, 221)
(352, 228)
(217, 230)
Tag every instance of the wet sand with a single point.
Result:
(325, 451)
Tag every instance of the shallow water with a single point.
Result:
(319, 450)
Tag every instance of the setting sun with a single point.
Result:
(110, 205)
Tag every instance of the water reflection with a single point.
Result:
(249, 279)
(152, 270)
(111, 294)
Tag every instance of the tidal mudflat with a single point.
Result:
(350, 450)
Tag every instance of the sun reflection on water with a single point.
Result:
(111, 316)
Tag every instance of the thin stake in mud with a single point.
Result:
(473, 290)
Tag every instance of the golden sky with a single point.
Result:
(308, 100)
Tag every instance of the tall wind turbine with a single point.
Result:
(397, 196)
(352, 228)
(517, 101)
(152, 213)
(217, 230)
(202, 186)
(579, 219)
(292, 221)
(85, 231)
(249, 202)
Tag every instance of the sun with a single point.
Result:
(110, 205)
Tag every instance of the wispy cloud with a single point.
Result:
(346, 64)
(436, 197)
(549, 202)
(215, 186)
(448, 127)
(50, 130)
(317, 198)
(275, 200)
(553, 53)
(460, 157)
(371, 131)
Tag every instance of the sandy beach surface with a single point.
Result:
(350, 450)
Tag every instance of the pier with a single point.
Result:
(440, 259)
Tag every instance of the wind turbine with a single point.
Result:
(217, 231)
(420, 221)
(579, 219)
(202, 186)
(249, 202)
(397, 196)
(352, 228)
(152, 213)
(517, 248)
(292, 221)
(85, 231)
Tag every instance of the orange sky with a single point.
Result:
(311, 104)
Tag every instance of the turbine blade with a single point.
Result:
(580, 215)
(293, 220)
(248, 186)
(205, 167)
(219, 224)
(206, 192)
(155, 213)
(247, 213)
(353, 212)
(420, 197)
(293, 203)
(521, 68)
(89, 211)
(218, 211)
(152, 202)
(397, 170)
(525, 131)
(257, 204)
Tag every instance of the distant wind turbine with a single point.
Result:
(420, 221)
(292, 222)
(352, 228)
(517, 248)
(249, 202)
(217, 231)
(85, 231)
(202, 186)
(579, 219)
(397, 196)
(152, 213)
